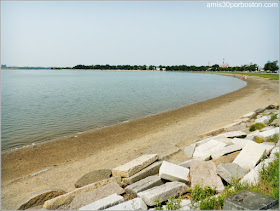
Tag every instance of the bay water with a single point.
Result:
(41, 105)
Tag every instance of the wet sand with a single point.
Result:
(67, 159)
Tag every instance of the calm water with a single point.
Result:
(40, 105)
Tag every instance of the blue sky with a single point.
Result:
(67, 33)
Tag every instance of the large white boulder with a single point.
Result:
(134, 166)
(250, 156)
(173, 172)
(204, 150)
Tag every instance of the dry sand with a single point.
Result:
(67, 159)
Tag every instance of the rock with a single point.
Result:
(249, 156)
(272, 154)
(213, 132)
(227, 141)
(248, 200)
(253, 176)
(104, 203)
(252, 135)
(187, 163)
(269, 133)
(275, 122)
(66, 199)
(233, 134)
(271, 107)
(38, 198)
(248, 115)
(263, 119)
(230, 172)
(95, 195)
(144, 184)
(134, 204)
(226, 150)
(204, 151)
(93, 176)
(260, 110)
(185, 204)
(173, 172)
(162, 193)
(189, 150)
(148, 171)
(266, 128)
(268, 147)
(135, 165)
(204, 174)
(242, 142)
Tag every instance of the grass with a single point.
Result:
(171, 204)
(268, 184)
(273, 117)
(273, 139)
(257, 126)
(263, 75)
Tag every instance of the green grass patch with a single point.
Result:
(273, 117)
(268, 184)
(257, 126)
(263, 75)
(273, 139)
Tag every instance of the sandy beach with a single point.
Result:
(64, 161)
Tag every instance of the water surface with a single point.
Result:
(40, 105)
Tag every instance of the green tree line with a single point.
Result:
(270, 66)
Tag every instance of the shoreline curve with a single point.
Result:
(24, 161)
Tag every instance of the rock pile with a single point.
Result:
(147, 180)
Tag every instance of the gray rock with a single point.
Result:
(144, 184)
(66, 199)
(187, 163)
(189, 150)
(272, 154)
(248, 200)
(94, 195)
(268, 147)
(162, 193)
(92, 177)
(104, 203)
(148, 171)
(250, 156)
(275, 122)
(204, 150)
(260, 110)
(253, 176)
(226, 150)
(204, 174)
(134, 166)
(38, 198)
(134, 204)
(263, 119)
(233, 134)
(266, 128)
(248, 115)
(269, 133)
(173, 172)
(230, 172)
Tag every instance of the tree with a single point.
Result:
(271, 66)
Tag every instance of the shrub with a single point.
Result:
(257, 126)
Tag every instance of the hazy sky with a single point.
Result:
(168, 33)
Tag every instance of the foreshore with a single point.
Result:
(66, 160)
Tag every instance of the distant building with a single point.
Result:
(3, 66)
(224, 65)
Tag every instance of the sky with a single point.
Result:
(67, 33)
